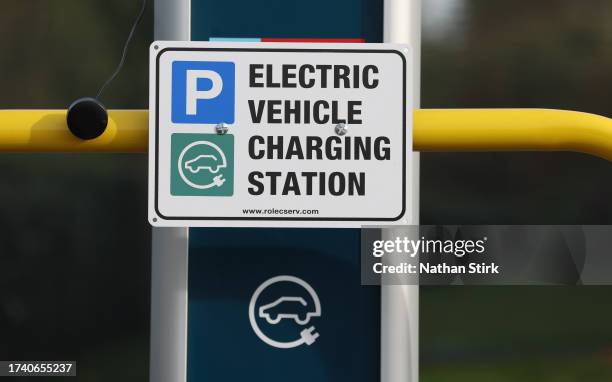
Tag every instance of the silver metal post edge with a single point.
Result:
(168, 346)
(400, 303)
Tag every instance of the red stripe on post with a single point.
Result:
(328, 40)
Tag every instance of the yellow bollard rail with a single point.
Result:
(512, 130)
(46, 131)
(434, 130)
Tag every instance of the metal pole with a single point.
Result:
(400, 303)
(169, 247)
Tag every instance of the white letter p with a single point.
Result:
(193, 94)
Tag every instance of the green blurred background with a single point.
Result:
(75, 244)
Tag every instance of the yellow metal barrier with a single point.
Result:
(434, 130)
(512, 130)
(46, 131)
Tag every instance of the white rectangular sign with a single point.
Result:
(279, 135)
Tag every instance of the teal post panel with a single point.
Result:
(281, 304)
(287, 19)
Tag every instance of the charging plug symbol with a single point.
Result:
(309, 336)
(219, 180)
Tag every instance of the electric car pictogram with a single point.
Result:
(205, 162)
(287, 307)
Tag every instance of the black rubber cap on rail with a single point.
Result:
(87, 118)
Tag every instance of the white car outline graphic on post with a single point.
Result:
(307, 336)
(263, 311)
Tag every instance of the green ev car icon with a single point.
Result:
(205, 162)
(287, 307)
(202, 165)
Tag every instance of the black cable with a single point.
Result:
(125, 49)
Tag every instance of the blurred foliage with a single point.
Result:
(85, 296)
(74, 240)
(549, 53)
(592, 369)
(54, 52)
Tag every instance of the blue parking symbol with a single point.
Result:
(203, 92)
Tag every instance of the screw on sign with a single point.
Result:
(222, 128)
